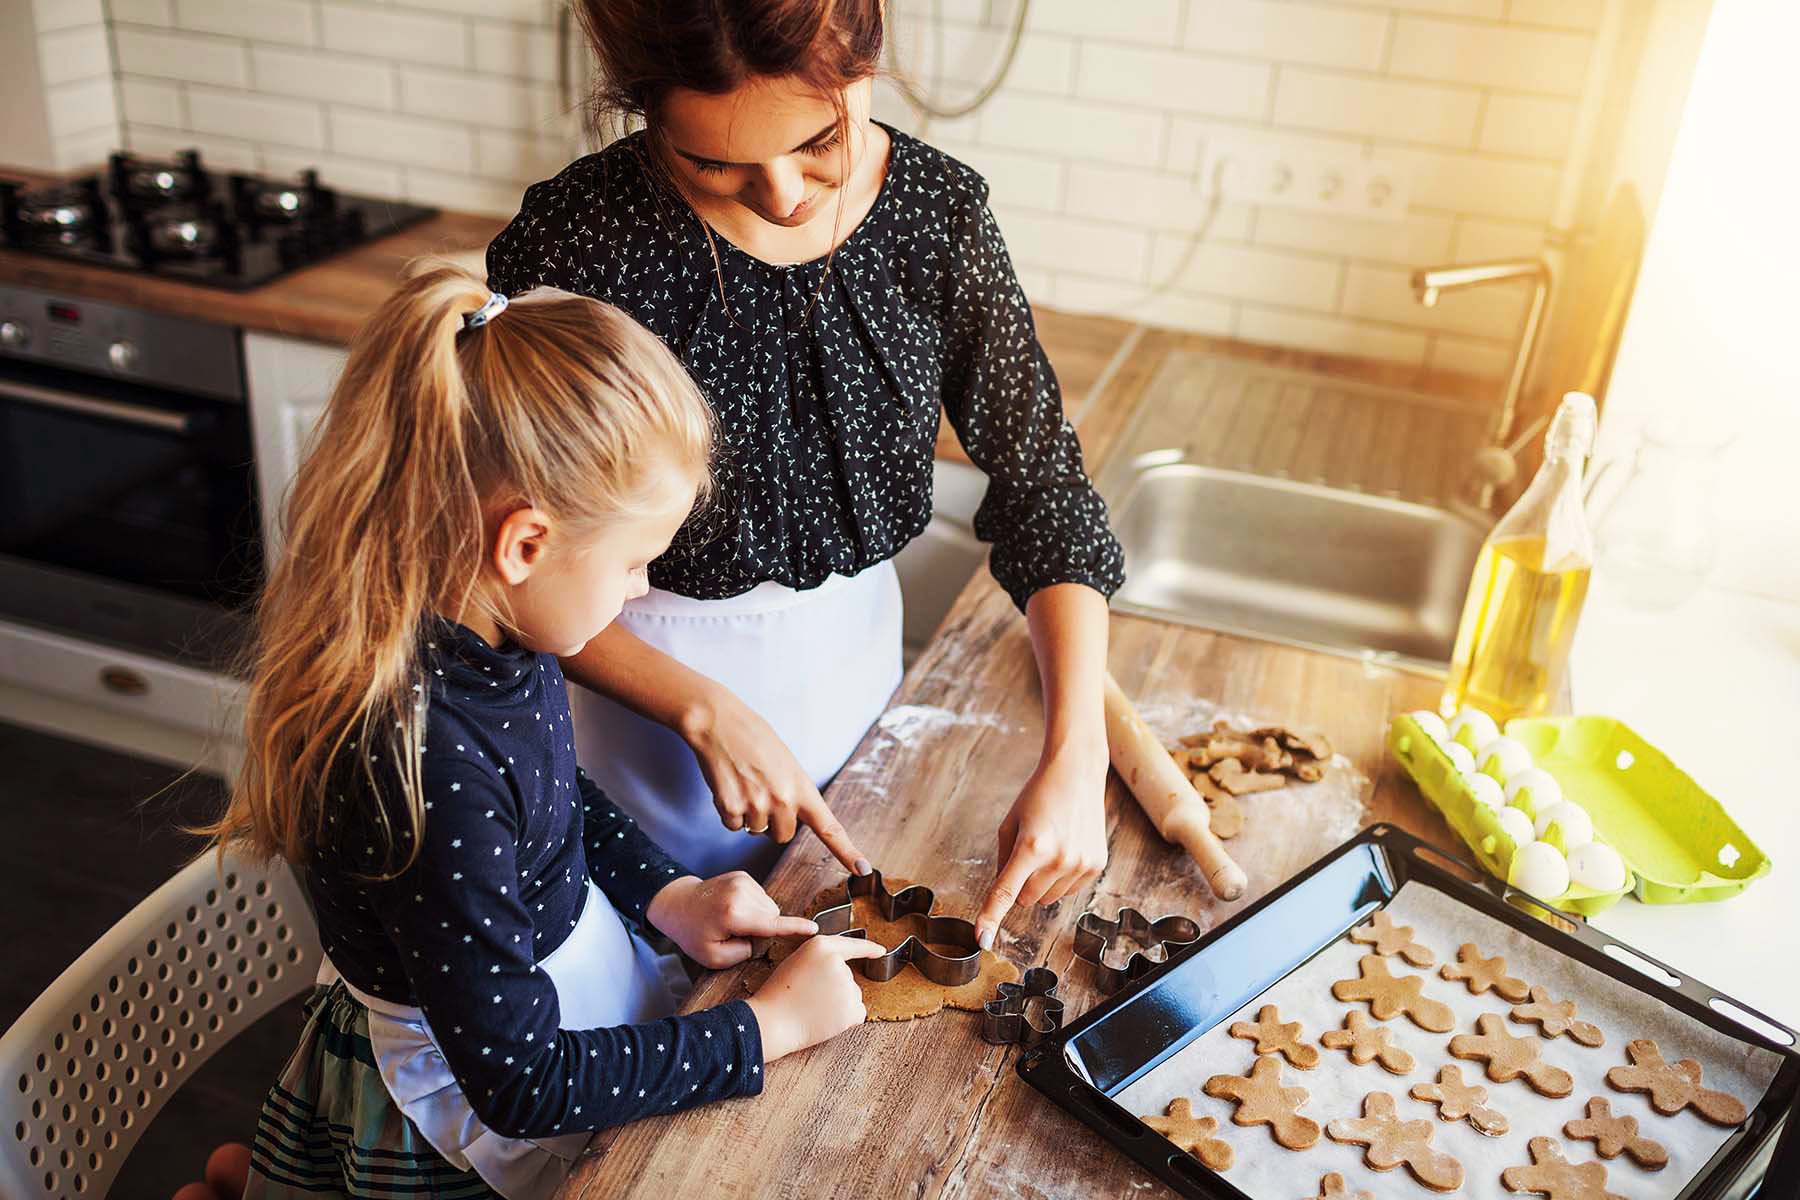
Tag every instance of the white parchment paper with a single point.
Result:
(1266, 1171)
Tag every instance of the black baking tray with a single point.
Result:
(1082, 1067)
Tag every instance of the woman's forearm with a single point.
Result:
(623, 667)
(1068, 638)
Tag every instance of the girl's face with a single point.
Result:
(773, 145)
(566, 588)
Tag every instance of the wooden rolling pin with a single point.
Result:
(1164, 793)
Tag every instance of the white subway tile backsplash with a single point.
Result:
(1486, 241)
(49, 16)
(407, 140)
(1066, 243)
(1154, 22)
(179, 56)
(1072, 128)
(1190, 136)
(268, 20)
(1245, 272)
(256, 118)
(222, 153)
(1174, 81)
(73, 54)
(1423, 239)
(85, 150)
(1470, 356)
(535, 12)
(1487, 9)
(486, 196)
(1140, 302)
(1330, 335)
(1405, 112)
(406, 36)
(477, 100)
(1529, 126)
(1284, 32)
(515, 51)
(1152, 200)
(1568, 14)
(150, 102)
(370, 179)
(1468, 183)
(1527, 60)
(364, 82)
(1017, 180)
(1385, 294)
(73, 108)
(141, 12)
(525, 158)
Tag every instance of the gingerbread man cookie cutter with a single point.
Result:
(1099, 941)
(916, 901)
(1026, 1012)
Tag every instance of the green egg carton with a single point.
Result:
(1443, 785)
(1672, 833)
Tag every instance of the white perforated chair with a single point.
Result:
(94, 1058)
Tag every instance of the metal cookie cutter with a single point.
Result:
(1026, 1012)
(949, 970)
(1101, 942)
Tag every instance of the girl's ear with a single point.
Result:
(520, 543)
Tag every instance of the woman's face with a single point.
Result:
(772, 145)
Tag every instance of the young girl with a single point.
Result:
(830, 282)
(484, 494)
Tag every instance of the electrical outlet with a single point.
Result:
(1248, 172)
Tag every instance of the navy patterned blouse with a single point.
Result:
(513, 832)
(829, 418)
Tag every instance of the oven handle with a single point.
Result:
(112, 410)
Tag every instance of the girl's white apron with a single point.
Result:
(604, 974)
(819, 666)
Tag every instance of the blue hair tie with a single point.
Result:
(496, 304)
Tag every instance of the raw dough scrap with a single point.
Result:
(1389, 996)
(1261, 1100)
(1554, 1176)
(1366, 1040)
(1274, 1036)
(1673, 1086)
(1193, 1134)
(908, 994)
(1459, 1101)
(1388, 938)
(1509, 1057)
(1555, 1018)
(1613, 1136)
(1333, 1187)
(1484, 973)
(1389, 1142)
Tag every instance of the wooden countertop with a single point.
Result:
(925, 1106)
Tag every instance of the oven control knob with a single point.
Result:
(16, 334)
(122, 355)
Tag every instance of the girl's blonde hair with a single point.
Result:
(559, 402)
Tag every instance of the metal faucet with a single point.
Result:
(1431, 282)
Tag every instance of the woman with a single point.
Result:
(829, 282)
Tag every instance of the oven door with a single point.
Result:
(127, 514)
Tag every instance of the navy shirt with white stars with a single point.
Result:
(828, 419)
(513, 832)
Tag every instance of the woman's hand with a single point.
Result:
(811, 995)
(713, 920)
(757, 783)
(1053, 841)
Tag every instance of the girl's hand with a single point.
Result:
(713, 920)
(1053, 841)
(757, 783)
(811, 996)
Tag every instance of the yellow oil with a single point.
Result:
(1518, 623)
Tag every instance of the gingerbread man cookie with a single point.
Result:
(1390, 1142)
(1366, 1040)
(1273, 1036)
(1388, 996)
(1484, 973)
(1509, 1057)
(1613, 1136)
(1388, 938)
(1193, 1134)
(1552, 1175)
(1555, 1018)
(1458, 1101)
(1261, 1100)
(1673, 1086)
(1333, 1187)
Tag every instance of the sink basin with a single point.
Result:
(1293, 562)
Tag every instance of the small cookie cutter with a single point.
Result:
(1009, 1016)
(1096, 939)
(915, 900)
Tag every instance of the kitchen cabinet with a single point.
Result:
(290, 381)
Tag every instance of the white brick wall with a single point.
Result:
(81, 100)
(1093, 147)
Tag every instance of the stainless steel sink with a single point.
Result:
(1291, 560)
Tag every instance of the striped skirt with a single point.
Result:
(330, 1128)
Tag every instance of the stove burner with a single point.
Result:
(176, 218)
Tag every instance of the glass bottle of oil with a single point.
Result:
(1518, 623)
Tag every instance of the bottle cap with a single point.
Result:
(1572, 429)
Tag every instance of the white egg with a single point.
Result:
(1517, 826)
(1598, 866)
(1432, 724)
(1486, 791)
(1545, 791)
(1504, 758)
(1576, 826)
(1539, 869)
(1460, 758)
(1480, 726)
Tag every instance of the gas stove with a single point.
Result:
(175, 218)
